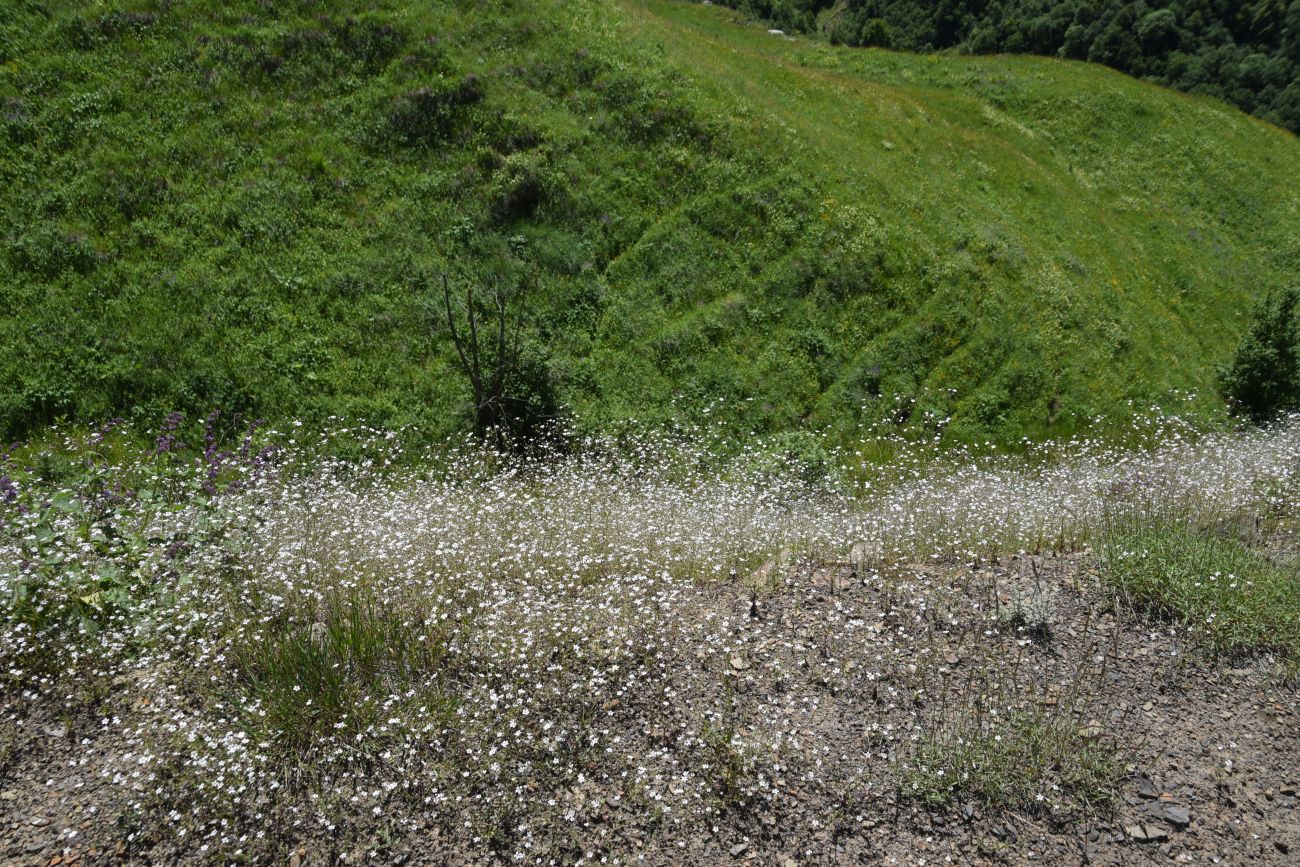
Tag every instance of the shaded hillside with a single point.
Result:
(250, 208)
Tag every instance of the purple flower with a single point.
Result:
(167, 441)
(97, 437)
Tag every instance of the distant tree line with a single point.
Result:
(1247, 53)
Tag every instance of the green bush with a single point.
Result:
(875, 33)
(1263, 378)
(428, 115)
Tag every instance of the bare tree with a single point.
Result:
(489, 371)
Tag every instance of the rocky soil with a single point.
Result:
(827, 657)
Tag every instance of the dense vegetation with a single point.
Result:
(252, 208)
(1262, 380)
(1246, 53)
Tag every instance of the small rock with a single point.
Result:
(739, 849)
(763, 574)
(295, 860)
(38, 821)
(738, 662)
(1091, 731)
(863, 553)
(1281, 847)
(56, 731)
(1144, 833)
(36, 846)
(8, 795)
(1287, 790)
(1179, 816)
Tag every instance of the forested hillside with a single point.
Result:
(1246, 53)
(253, 208)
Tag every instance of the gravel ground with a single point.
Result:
(821, 658)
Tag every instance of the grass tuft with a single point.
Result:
(1229, 596)
(308, 679)
(1028, 760)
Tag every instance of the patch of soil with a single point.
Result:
(839, 667)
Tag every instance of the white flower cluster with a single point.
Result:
(518, 651)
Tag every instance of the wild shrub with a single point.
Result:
(48, 250)
(519, 187)
(1262, 379)
(369, 42)
(514, 394)
(430, 114)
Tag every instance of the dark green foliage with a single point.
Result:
(790, 15)
(1246, 53)
(875, 33)
(427, 115)
(1263, 378)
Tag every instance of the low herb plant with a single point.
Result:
(1232, 599)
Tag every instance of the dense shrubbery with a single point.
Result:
(1245, 53)
(1263, 378)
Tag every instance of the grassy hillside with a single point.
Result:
(251, 208)
(1242, 52)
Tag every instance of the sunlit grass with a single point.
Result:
(1232, 599)
(1027, 761)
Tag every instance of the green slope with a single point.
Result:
(228, 205)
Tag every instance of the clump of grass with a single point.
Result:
(1231, 598)
(1030, 759)
(306, 679)
(728, 764)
